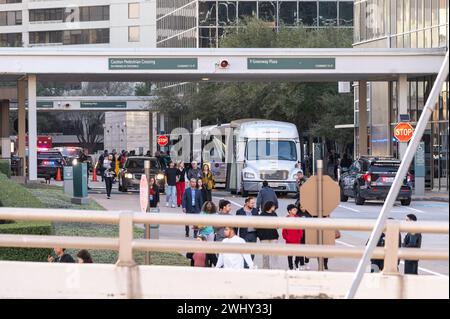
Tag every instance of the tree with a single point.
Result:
(88, 127)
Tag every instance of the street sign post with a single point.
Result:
(320, 195)
(419, 170)
(403, 132)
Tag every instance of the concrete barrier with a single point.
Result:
(87, 281)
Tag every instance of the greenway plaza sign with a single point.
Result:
(153, 64)
(291, 63)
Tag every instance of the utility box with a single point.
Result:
(68, 180)
(154, 228)
(80, 184)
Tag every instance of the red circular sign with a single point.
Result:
(403, 132)
(163, 140)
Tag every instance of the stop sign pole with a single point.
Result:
(320, 207)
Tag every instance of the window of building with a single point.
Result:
(133, 34)
(346, 13)
(246, 9)
(267, 11)
(328, 13)
(288, 13)
(10, 18)
(94, 13)
(307, 13)
(10, 39)
(207, 14)
(55, 14)
(227, 12)
(46, 37)
(134, 10)
(70, 37)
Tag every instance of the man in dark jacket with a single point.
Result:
(412, 241)
(248, 234)
(192, 201)
(61, 256)
(266, 194)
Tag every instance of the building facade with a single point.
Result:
(405, 24)
(201, 23)
(87, 23)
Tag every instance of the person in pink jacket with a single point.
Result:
(293, 236)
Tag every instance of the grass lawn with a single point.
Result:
(53, 197)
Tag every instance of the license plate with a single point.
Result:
(388, 179)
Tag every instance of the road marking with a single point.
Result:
(416, 210)
(401, 262)
(349, 208)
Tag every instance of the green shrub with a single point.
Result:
(5, 168)
(26, 228)
(13, 194)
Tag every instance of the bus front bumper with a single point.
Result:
(277, 186)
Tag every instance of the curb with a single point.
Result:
(434, 199)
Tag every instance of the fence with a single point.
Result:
(126, 244)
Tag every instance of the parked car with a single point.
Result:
(133, 169)
(370, 178)
(48, 163)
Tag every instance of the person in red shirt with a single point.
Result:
(293, 236)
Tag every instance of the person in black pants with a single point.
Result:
(303, 213)
(109, 174)
(191, 203)
(153, 193)
(412, 241)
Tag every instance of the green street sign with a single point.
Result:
(291, 63)
(44, 104)
(153, 64)
(105, 104)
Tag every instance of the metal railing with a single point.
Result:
(126, 244)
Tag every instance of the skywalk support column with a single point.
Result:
(402, 108)
(4, 129)
(21, 96)
(362, 118)
(32, 129)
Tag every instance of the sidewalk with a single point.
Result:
(432, 196)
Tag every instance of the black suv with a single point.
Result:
(371, 178)
(48, 163)
(130, 175)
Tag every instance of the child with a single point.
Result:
(292, 236)
(198, 259)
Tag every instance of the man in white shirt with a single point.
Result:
(233, 261)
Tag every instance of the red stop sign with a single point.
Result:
(163, 140)
(403, 132)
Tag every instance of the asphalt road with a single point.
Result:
(424, 210)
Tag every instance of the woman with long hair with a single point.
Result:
(153, 192)
(208, 181)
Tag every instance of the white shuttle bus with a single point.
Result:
(250, 151)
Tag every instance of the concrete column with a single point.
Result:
(4, 129)
(162, 122)
(32, 128)
(402, 108)
(21, 136)
(362, 117)
(154, 128)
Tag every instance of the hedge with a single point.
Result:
(26, 228)
(5, 168)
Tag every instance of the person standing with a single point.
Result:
(191, 203)
(233, 261)
(248, 233)
(266, 194)
(300, 180)
(109, 174)
(293, 236)
(224, 210)
(412, 240)
(153, 193)
(268, 235)
(208, 208)
(208, 182)
(100, 161)
(181, 181)
(202, 188)
(194, 171)
(171, 185)
(303, 213)
(61, 256)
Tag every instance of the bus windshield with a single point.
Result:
(271, 150)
